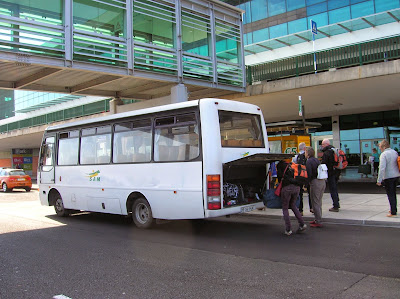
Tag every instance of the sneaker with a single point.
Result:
(288, 232)
(315, 224)
(301, 213)
(302, 228)
(333, 209)
(311, 211)
(391, 215)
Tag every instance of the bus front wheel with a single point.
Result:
(141, 213)
(59, 207)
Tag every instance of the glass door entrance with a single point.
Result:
(366, 149)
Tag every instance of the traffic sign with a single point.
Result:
(314, 29)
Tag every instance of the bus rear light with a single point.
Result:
(214, 192)
(214, 205)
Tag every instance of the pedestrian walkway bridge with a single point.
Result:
(135, 49)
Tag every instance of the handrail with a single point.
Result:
(342, 57)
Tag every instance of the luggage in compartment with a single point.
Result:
(237, 194)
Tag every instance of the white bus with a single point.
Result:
(191, 160)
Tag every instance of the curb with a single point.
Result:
(373, 223)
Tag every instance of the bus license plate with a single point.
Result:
(247, 209)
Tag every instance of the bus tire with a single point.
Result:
(59, 207)
(141, 213)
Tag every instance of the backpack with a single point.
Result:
(340, 160)
(398, 162)
(301, 159)
(299, 173)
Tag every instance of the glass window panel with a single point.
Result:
(99, 17)
(321, 20)
(339, 15)
(68, 151)
(258, 10)
(316, 9)
(240, 130)
(132, 146)
(311, 2)
(276, 7)
(297, 26)
(295, 4)
(362, 9)
(260, 35)
(372, 133)
(278, 30)
(333, 4)
(383, 5)
(153, 22)
(227, 41)
(350, 134)
(356, 1)
(96, 149)
(196, 37)
(177, 143)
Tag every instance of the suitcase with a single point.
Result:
(364, 169)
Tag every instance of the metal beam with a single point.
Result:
(265, 47)
(393, 16)
(344, 27)
(93, 83)
(46, 72)
(303, 38)
(323, 33)
(282, 42)
(368, 22)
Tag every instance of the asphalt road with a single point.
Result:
(100, 256)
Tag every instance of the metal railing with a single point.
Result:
(348, 56)
(80, 111)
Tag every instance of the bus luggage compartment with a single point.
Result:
(245, 179)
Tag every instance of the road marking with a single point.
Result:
(61, 297)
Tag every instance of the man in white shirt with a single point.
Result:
(389, 174)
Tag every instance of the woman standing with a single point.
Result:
(289, 194)
(389, 174)
(317, 186)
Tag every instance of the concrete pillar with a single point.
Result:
(179, 94)
(336, 131)
(113, 105)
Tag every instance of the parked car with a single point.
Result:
(14, 178)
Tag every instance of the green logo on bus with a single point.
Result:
(93, 176)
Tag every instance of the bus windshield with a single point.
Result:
(240, 129)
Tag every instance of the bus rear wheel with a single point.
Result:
(141, 213)
(59, 207)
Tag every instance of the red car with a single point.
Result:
(14, 178)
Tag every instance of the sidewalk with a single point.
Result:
(356, 209)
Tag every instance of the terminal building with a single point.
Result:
(87, 59)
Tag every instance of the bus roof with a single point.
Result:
(144, 111)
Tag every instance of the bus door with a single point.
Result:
(47, 161)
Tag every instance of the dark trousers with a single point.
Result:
(332, 184)
(301, 199)
(289, 196)
(390, 187)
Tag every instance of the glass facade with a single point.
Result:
(184, 38)
(6, 103)
(267, 19)
(360, 133)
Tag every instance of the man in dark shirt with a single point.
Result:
(328, 158)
